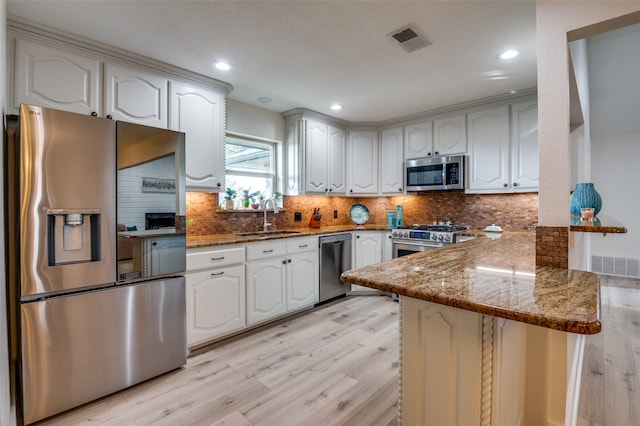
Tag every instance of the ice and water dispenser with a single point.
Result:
(74, 236)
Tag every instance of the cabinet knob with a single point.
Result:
(357, 236)
(351, 190)
(288, 260)
(428, 154)
(515, 183)
(399, 189)
(436, 153)
(504, 185)
(330, 189)
(284, 262)
(326, 189)
(219, 184)
(109, 116)
(94, 114)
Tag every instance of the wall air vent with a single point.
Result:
(410, 38)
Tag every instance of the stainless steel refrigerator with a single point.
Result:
(96, 304)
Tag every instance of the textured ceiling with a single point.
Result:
(312, 54)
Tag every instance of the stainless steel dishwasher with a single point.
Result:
(335, 258)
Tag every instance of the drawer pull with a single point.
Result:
(303, 246)
(213, 274)
(267, 251)
(218, 258)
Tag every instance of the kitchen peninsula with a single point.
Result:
(488, 337)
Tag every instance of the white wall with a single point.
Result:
(614, 67)
(250, 120)
(554, 19)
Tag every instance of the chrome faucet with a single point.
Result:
(266, 225)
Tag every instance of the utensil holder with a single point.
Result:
(314, 221)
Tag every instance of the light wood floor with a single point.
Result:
(337, 365)
(610, 391)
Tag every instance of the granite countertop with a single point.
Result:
(278, 233)
(150, 233)
(496, 277)
(602, 224)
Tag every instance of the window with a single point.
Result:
(251, 164)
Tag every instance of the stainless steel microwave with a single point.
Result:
(434, 173)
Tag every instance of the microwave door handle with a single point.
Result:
(444, 175)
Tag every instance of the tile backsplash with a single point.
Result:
(515, 212)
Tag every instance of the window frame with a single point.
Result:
(275, 145)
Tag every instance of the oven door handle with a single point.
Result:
(415, 244)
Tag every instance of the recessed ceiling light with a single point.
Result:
(336, 107)
(508, 54)
(223, 66)
(264, 100)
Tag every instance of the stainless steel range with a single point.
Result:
(421, 238)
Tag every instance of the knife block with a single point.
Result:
(313, 222)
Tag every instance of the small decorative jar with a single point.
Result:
(585, 195)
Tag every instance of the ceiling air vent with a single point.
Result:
(410, 38)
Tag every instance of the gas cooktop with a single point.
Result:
(439, 228)
(444, 234)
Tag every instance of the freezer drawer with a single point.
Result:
(80, 347)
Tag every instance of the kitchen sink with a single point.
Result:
(266, 233)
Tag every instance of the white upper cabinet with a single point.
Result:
(324, 158)
(488, 166)
(362, 167)
(524, 146)
(316, 157)
(503, 149)
(392, 161)
(336, 161)
(199, 113)
(56, 78)
(450, 135)
(418, 140)
(136, 96)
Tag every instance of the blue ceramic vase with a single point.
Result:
(585, 195)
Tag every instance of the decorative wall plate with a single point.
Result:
(359, 214)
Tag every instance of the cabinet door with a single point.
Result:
(392, 161)
(55, 78)
(418, 140)
(450, 135)
(215, 303)
(524, 146)
(336, 161)
(315, 164)
(302, 280)
(489, 149)
(136, 96)
(199, 113)
(368, 248)
(442, 350)
(266, 290)
(363, 162)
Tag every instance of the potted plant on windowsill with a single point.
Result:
(229, 198)
(247, 198)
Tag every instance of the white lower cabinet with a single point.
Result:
(282, 277)
(458, 358)
(215, 294)
(367, 250)
(266, 290)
